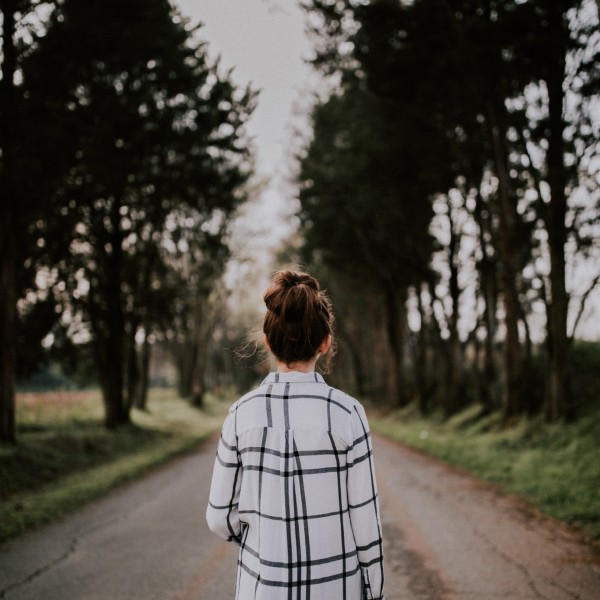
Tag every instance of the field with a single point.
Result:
(555, 467)
(65, 457)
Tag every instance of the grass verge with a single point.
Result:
(556, 467)
(65, 457)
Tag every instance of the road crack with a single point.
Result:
(75, 541)
(72, 548)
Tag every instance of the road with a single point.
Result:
(447, 536)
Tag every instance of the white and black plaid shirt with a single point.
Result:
(294, 485)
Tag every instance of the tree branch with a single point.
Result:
(582, 307)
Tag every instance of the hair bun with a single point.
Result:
(291, 294)
(289, 279)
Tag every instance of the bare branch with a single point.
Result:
(582, 306)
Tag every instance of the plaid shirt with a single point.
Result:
(294, 485)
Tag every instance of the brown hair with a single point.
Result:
(298, 318)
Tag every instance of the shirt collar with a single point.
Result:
(294, 377)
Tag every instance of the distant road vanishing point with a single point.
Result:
(447, 537)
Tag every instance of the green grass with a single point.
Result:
(555, 467)
(65, 457)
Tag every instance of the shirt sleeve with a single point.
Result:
(363, 504)
(222, 511)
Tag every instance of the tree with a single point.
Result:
(365, 182)
(140, 127)
(196, 271)
(8, 232)
(497, 79)
(560, 178)
(17, 208)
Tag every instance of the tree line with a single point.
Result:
(448, 191)
(124, 156)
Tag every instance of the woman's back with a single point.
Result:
(308, 489)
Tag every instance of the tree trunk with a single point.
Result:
(133, 368)
(198, 377)
(395, 334)
(201, 336)
(354, 350)
(141, 396)
(487, 373)
(439, 346)
(488, 389)
(509, 258)
(8, 231)
(111, 376)
(454, 372)
(557, 341)
(112, 347)
(8, 324)
(110, 351)
(374, 336)
(184, 360)
(112, 395)
(421, 359)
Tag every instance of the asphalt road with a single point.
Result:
(447, 536)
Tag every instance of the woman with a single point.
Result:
(293, 482)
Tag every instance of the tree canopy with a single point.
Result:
(130, 151)
(448, 146)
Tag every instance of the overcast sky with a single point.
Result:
(264, 41)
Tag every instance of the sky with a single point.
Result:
(265, 43)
